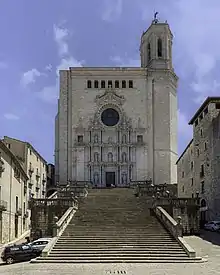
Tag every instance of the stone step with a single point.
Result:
(115, 245)
(110, 236)
(117, 260)
(131, 249)
(116, 255)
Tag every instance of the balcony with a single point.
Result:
(37, 188)
(31, 170)
(3, 205)
(30, 183)
(19, 212)
(26, 214)
(44, 180)
(37, 176)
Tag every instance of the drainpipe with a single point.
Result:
(10, 192)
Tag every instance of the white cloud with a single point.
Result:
(112, 10)
(49, 94)
(11, 116)
(30, 77)
(125, 62)
(60, 36)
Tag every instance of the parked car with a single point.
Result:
(40, 243)
(212, 225)
(19, 253)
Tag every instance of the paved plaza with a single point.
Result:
(207, 246)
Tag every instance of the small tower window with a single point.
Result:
(148, 52)
(109, 84)
(89, 84)
(116, 84)
(159, 47)
(123, 84)
(96, 84)
(103, 84)
(130, 84)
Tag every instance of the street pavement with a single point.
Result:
(207, 246)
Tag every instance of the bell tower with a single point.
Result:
(156, 46)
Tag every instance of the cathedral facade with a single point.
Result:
(117, 124)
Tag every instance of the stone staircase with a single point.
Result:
(113, 226)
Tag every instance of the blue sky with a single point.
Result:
(40, 37)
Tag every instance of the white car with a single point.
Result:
(40, 243)
(212, 225)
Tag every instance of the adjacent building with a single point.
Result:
(14, 217)
(199, 165)
(117, 124)
(33, 163)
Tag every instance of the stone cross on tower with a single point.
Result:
(155, 21)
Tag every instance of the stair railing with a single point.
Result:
(175, 228)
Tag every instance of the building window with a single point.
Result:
(96, 156)
(217, 106)
(96, 84)
(123, 84)
(80, 138)
(201, 133)
(191, 165)
(116, 84)
(201, 116)
(159, 47)
(148, 52)
(9, 146)
(196, 122)
(130, 84)
(109, 84)
(37, 158)
(182, 174)
(206, 111)
(202, 171)
(198, 152)
(16, 203)
(124, 157)
(192, 195)
(183, 189)
(30, 152)
(89, 84)
(191, 181)
(139, 139)
(202, 187)
(205, 146)
(110, 157)
(124, 139)
(103, 84)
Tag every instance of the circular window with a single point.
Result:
(110, 117)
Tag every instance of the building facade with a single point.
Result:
(33, 164)
(51, 184)
(119, 124)
(200, 162)
(14, 215)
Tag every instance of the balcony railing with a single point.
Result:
(37, 175)
(30, 183)
(19, 212)
(31, 170)
(3, 205)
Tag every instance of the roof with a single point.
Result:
(184, 151)
(208, 100)
(4, 147)
(29, 146)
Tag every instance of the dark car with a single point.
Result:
(19, 253)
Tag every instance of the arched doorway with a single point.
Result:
(203, 209)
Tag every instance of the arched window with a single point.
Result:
(110, 157)
(96, 156)
(148, 52)
(96, 84)
(159, 47)
(103, 84)
(96, 138)
(124, 157)
(110, 84)
(124, 139)
(89, 84)
(116, 84)
(123, 83)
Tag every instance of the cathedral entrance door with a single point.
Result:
(109, 178)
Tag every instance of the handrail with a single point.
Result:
(172, 226)
(52, 196)
(175, 228)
